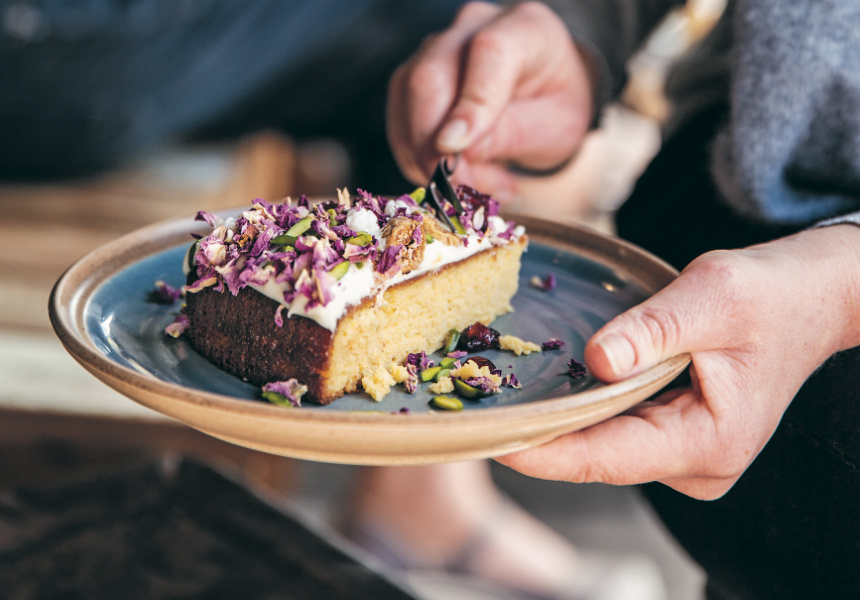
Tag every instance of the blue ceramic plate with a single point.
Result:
(102, 313)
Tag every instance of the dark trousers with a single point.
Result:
(86, 86)
(790, 527)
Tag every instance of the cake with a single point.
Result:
(332, 294)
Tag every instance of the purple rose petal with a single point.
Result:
(576, 369)
(546, 284)
(164, 293)
(552, 344)
(291, 390)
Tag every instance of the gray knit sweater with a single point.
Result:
(790, 73)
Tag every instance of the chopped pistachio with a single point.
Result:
(466, 390)
(362, 239)
(189, 256)
(458, 226)
(428, 374)
(339, 270)
(446, 403)
(300, 227)
(277, 399)
(451, 341)
(442, 373)
(447, 362)
(419, 194)
(284, 240)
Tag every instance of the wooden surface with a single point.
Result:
(44, 228)
(54, 416)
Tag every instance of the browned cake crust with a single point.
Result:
(239, 334)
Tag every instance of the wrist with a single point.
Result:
(834, 266)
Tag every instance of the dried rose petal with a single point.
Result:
(164, 293)
(258, 246)
(546, 284)
(388, 264)
(511, 381)
(279, 315)
(487, 385)
(420, 361)
(291, 391)
(208, 218)
(576, 369)
(178, 326)
(552, 344)
(411, 381)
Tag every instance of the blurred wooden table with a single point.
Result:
(55, 418)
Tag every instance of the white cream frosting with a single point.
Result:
(359, 283)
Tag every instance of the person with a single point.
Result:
(755, 195)
(451, 522)
(88, 87)
(91, 86)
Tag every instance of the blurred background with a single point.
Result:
(58, 423)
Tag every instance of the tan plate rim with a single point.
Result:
(529, 424)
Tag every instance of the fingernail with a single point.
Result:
(619, 353)
(454, 136)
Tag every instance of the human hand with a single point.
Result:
(757, 323)
(499, 86)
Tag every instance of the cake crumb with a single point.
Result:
(517, 346)
(398, 372)
(378, 383)
(443, 386)
(471, 370)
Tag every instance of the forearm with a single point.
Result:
(798, 295)
(834, 253)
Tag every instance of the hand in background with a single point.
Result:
(757, 323)
(483, 88)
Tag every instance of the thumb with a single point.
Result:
(489, 79)
(689, 315)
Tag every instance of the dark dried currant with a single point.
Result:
(482, 362)
(477, 337)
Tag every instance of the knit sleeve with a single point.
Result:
(790, 154)
(849, 219)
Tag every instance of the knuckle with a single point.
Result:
(662, 327)
(488, 42)
(472, 11)
(731, 283)
(725, 270)
(423, 75)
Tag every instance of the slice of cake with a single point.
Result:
(333, 293)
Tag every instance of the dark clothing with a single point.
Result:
(789, 73)
(763, 143)
(89, 85)
(789, 527)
